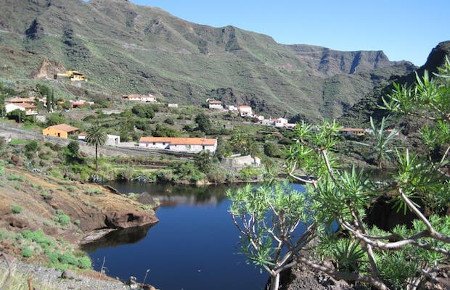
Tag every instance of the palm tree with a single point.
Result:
(96, 136)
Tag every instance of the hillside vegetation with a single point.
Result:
(125, 48)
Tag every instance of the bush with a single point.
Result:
(164, 131)
(143, 111)
(31, 148)
(217, 175)
(16, 209)
(62, 218)
(27, 252)
(38, 237)
(55, 119)
(14, 177)
(17, 115)
(84, 262)
(169, 121)
(249, 173)
(203, 123)
(272, 150)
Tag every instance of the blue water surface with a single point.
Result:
(195, 245)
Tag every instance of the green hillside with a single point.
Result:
(125, 48)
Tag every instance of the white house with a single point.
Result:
(280, 122)
(112, 140)
(245, 111)
(268, 122)
(172, 105)
(29, 109)
(214, 104)
(232, 108)
(140, 98)
(187, 145)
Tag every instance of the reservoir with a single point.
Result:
(195, 245)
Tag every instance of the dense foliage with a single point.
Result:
(401, 257)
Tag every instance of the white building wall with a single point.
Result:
(193, 148)
(216, 106)
(11, 107)
(155, 145)
(179, 148)
(113, 140)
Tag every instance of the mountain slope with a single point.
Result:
(360, 113)
(126, 48)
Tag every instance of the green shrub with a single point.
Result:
(14, 177)
(16, 209)
(2, 235)
(84, 262)
(217, 175)
(272, 150)
(62, 218)
(249, 173)
(38, 237)
(169, 121)
(27, 252)
(68, 258)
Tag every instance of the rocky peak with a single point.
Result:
(437, 56)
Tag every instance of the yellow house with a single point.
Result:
(61, 131)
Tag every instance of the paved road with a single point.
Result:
(7, 131)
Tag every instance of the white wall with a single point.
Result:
(156, 145)
(179, 148)
(11, 107)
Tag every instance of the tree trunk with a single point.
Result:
(96, 159)
(275, 282)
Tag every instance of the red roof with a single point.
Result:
(179, 141)
(64, 127)
(26, 105)
(20, 100)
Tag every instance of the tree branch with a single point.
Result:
(344, 275)
(419, 214)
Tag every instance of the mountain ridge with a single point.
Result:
(125, 48)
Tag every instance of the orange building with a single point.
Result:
(61, 131)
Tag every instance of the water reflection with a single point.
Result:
(173, 195)
(118, 237)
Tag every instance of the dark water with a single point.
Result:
(193, 247)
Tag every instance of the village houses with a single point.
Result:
(60, 130)
(186, 145)
(214, 104)
(140, 98)
(26, 105)
(245, 111)
(80, 103)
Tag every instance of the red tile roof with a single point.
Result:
(179, 141)
(64, 127)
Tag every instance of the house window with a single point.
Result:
(203, 147)
(164, 143)
(59, 134)
(154, 143)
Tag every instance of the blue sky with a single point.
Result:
(403, 29)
